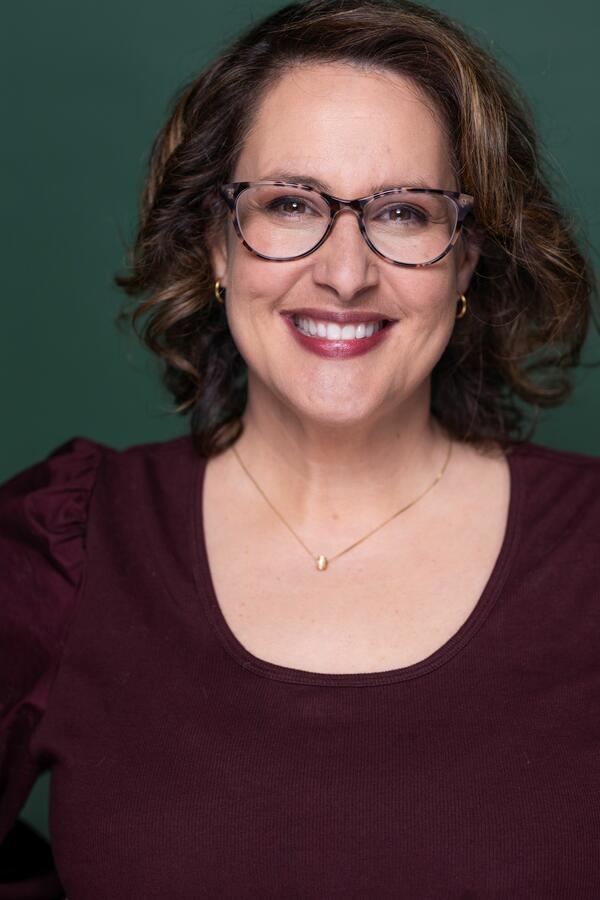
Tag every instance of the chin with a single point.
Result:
(342, 413)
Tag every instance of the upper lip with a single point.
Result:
(328, 315)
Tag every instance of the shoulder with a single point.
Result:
(147, 478)
(46, 511)
(43, 512)
(558, 468)
(44, 515)
(551, 456)
(150, 457)
(50, 497)
(53, 495)
(561, 490)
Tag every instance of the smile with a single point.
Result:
(331, 331)
(335, 340)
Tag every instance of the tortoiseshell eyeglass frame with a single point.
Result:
(464, 204)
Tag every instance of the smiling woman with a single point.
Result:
(342, 639)
(528, 299)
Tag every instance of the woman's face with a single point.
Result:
(354, 132)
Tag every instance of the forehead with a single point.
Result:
(354, 130)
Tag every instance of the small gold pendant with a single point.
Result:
(322, 563)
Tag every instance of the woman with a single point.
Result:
(342, 641)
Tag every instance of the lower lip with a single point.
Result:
(338, 349)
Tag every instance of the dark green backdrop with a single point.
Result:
(89, 86)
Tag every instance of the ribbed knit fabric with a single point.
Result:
(184, 767)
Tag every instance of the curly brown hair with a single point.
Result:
(530, 299)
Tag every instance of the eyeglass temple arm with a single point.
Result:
(229, 192)
(465, 205)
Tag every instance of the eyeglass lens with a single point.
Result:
(285, 222)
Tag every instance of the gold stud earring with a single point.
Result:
(462, 306)
(219, 291)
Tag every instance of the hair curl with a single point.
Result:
(529, 298)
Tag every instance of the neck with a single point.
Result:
(316, 472)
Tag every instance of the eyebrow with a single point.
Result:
(281, 175)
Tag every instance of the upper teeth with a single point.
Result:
(334, 332)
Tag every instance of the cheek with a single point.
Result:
(426, 296)
(256, 292)
(427, 311)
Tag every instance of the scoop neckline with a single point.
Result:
(206, 592)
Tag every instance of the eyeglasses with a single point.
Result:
(408, 226)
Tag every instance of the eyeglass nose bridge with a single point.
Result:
(337, 206)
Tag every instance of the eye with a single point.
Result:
(291, 206)
(402, 212)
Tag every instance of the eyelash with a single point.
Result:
(280, 201)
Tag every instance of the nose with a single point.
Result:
(345, 263)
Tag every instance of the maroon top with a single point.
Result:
(185, 767)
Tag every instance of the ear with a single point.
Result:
(468, 254)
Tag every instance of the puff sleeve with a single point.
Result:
(43, 513)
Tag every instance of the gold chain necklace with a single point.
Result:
(323, 561)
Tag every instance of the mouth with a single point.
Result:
(352, 335)
(348, 327)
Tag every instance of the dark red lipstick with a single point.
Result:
(338, 348)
